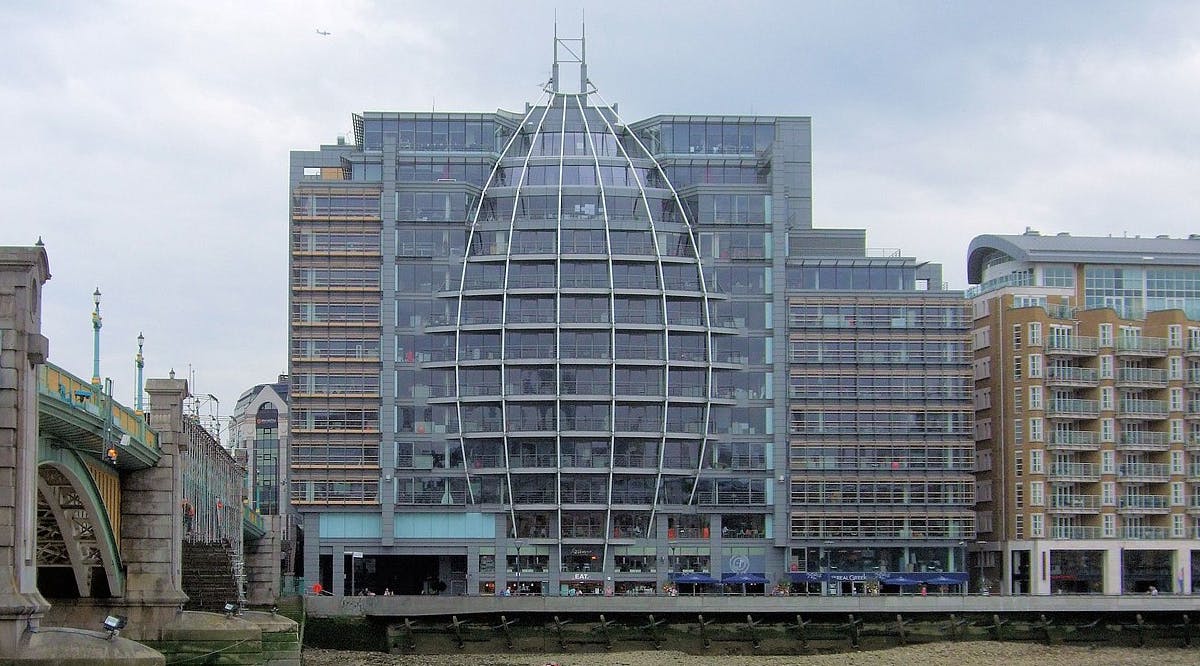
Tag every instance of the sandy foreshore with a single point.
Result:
(980, 653)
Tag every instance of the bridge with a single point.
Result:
(97, 499)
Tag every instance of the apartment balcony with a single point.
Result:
(1140, 408)
(1143, 532)
(1192, 378)
(1071, 376)
(1193, 505)
(1143, 504)
(1141, 440)
(1072, 440)
(1193, 409)
(1075, 345)
(1083, 472)
(1193, 471)
(1142, 377)
(1141, 346)
(1193, 442)
(1144, 472)
(1074, 504)
(1073, 409)
(1193, 348)
(1074, 532)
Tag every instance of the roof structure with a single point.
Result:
(1064, 248)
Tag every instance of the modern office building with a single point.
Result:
(554, 352)
(258, 436)
(1087, 397)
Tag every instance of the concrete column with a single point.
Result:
(152, 520)
(1039, 568)
(262, 564)
(1183, 571)
(1112, 570)
(341, 581)
(23, 271)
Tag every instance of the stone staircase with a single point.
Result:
(210, 577)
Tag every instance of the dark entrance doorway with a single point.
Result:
(403, 574)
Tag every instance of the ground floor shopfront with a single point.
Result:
(1090, 566)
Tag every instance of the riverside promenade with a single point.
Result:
(430, 606)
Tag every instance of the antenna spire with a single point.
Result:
(569, 50)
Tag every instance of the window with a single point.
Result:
(1037, 493)
(1106, 398)
(1177, 526)
(1176, 427)
(1018, 467)
(1106, 335)
(1016, 368)
(1107, 430)
(1037, 459)
(1035, 366)
(981, 338)
(1037, 525)
(1035, 429)
(1018, 431)
(983, 368)
(1019, 527)
(1177, 462)
(1110, 526)
(1106, 367)
(1016, 337)
(1019, 495)
(1176, 493)
(1035, 397)
(1108, 493)
(1108, 462)
(1035, 334)
(1176, 396)
(1018, 400)
(1175, 368)
(1174, 336)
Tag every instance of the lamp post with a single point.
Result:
(97, 322)
(139, 362)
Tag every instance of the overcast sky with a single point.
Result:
(148, 142)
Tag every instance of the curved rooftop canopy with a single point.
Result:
(1032, 247)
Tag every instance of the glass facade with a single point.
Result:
(574, 352)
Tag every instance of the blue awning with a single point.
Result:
(900, 580)
(694, 578)
(744, 579)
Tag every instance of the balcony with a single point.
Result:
(1193, 348)
(1072, 440)
(1074, 532)
(1142, 440)
(1192, 378)
(1143, 532)
(1085, 472)
(1075, 345)
(1145, 472)
(1074, 504)
(1193, 472)
(1140, 408)
(1194, 503)
(1193, 409)
(1139, 346)
(1071, 376)
(1193, 442)
(1073, 409)
(1143, 504)
(1145, 377)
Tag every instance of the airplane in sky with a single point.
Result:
(323, 33)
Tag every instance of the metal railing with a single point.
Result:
(1143, 439)
(1075, 502)
(54, 382)
(1070, 375)
(1072, 532)
(1146, 471)
(1140, 345)
(1152, 376)
(1083, 471)
(1074, 344)
(1073, 407)
(1142, 407)
(1142, 502)
(1080, 440)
